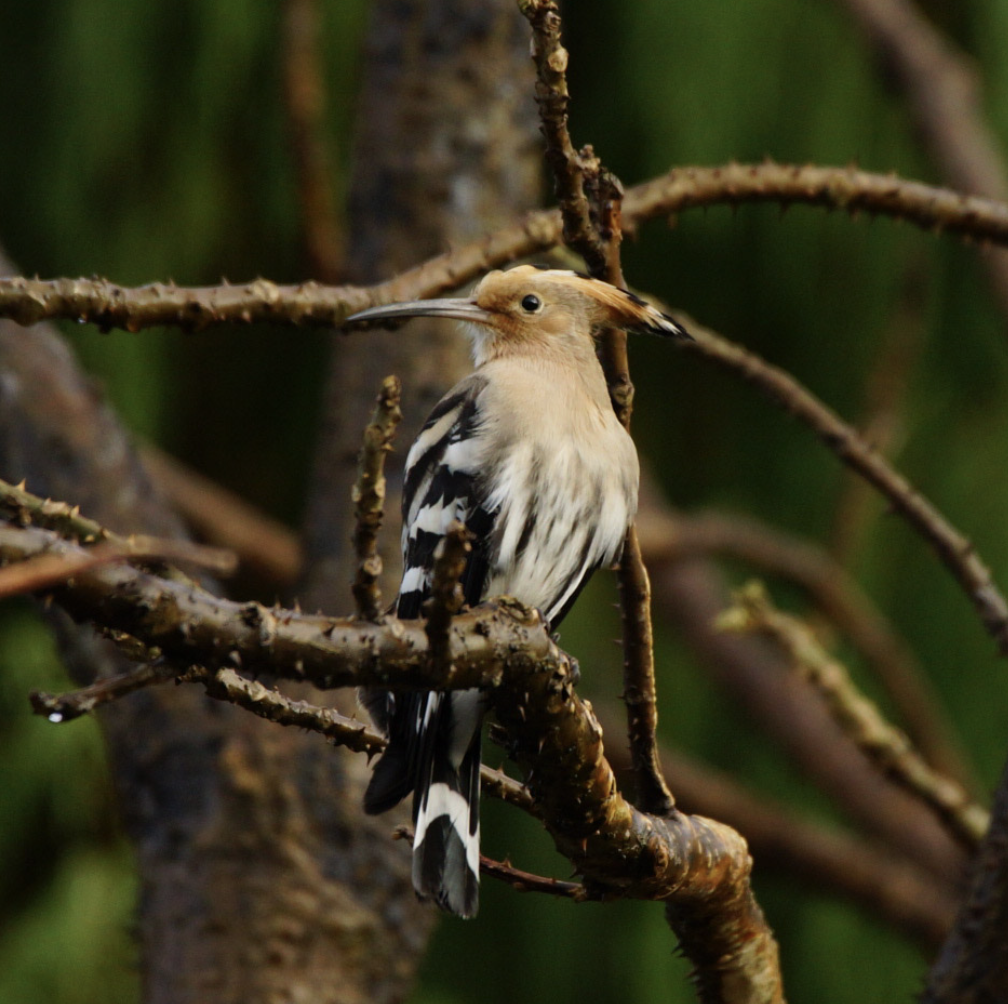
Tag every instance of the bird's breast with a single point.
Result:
(564, 491)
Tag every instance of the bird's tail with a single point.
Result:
(446, 846)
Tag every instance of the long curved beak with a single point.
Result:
(459, 309)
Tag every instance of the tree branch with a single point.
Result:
(972, 967)
(699, 867)
(59, 708)
(100, 302)
(954, 550)
(884, 885)
(885, 745)
(369, 499)
(667, 537)
(590, 198)
(521, 881)
(567, 165)
(48, 570)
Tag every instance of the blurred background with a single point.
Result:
(148, 142)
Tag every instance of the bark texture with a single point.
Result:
(261, 879)
(246, 894)
(972, 967)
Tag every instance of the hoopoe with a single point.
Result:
(528, 454)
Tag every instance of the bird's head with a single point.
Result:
(527, 306)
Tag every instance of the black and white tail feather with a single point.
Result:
(528, 455)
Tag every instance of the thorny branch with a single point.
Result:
(446, 598)
(667, 537)
(225, 684)
(590, 198)
(955, 551)
(28, 301)
(369, 498)
(19, 506)
(886, 886)
(522, 881)
(860, 719)
(100, 302)
(50, 569)
(566, 164)
(518, 880)
(66, 707)
(699, 867)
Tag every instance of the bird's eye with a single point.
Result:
(531, 303)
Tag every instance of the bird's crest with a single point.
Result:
(618, 308)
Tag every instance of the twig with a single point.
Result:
(369, 498)
(857, 716)
(225, 684)
(60, 708)
(955, 551)
(933, 208)
(590, 198)
(446, 598)
(522, 881)
(639, 690)
(518, 880)
(20, 507)
(639, 679)
(107, 305)
(304, 95)
(666, 537)
(496, 783)
(568, 166)
(47, 570)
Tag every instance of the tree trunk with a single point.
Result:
(262, 881)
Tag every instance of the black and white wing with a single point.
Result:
(434, 738)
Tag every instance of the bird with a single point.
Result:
(528, 454)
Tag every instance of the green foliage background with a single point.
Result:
(146, 141)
